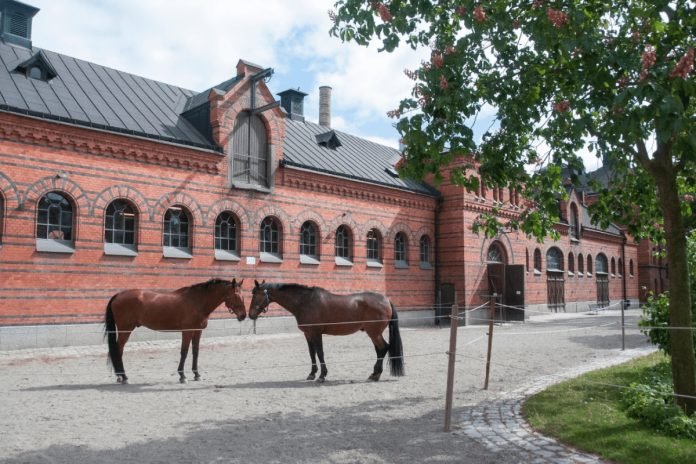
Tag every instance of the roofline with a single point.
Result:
(362, 180)
(107, 129)
(95, 127)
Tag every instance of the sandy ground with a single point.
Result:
(253, 406)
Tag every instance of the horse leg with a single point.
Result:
(195, 341)
(313, 356)
(186, 336)
(319, 347)
(381, 347)
(120, 370)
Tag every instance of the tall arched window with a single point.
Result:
(601, 264)
(425, 252)
(537, 260)
(344, 247)
(574, 222)
(589, 265)
(119, 228)
(250, 158)
(630, 268)
(571, 263)
(54, 224)
(270, 239)
(227, 237)
(373, 245)
(177, 233)
(309, 251)
(554, 259)
(613, 267)
(526, 257)
(495, 253)
(581, 266)
(620, 268)
(400, 250)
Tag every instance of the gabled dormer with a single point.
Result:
(37, 67)
(15, 22)
(328, 139)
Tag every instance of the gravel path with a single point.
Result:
(252, 406)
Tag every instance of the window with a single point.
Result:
(374, 245)
(620, 270)
(177, 233)
(226, 237)
(343, 246)
(554, 260)
(581, 266)
(526, 258)
(400, 250)
(589, 265)
(574, 222)
(613, 267)
(495, 254)
(601, 265)
(571, 263)
(54, 224)
(119, 229)
(250, 166)
(537, 260)
(269, 240)
(425, 252)
(308, 244)
(630, 268)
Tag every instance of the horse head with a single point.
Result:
(259, 300)
(234, 300)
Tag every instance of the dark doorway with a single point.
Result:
(555, 285)
(602, 290)
(444, 309)
(507, 281)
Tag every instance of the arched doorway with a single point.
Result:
(555, 280)
(507, 282)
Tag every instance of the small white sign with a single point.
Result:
(251, 260)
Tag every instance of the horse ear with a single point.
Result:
(234, 281)
(241, 282)
(256, 282)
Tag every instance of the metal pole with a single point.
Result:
(623, 326)
(454, 323)
(490, 338)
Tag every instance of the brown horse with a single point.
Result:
(186, 309)
(320, 312)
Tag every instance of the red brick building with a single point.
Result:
(111, 181)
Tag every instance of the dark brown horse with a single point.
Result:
(319, 312)
(186, 309)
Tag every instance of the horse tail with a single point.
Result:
(396, 351)
(114, 358)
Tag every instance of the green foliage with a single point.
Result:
(651, 401)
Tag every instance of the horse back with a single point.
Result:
(345, 314)
(155, 310)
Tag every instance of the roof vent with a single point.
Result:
(37, 67)
(328, 139)
(293, 102)
(15, 22)
(325, 106)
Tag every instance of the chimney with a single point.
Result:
(292, 102)
(325, 106)
(15, 22)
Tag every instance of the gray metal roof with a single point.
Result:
(87, 94)
(356, 158)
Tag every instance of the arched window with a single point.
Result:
(613, 267)
(581, 266)
(601, 264)
(270, 239)
(400, 250)
(537, 260)
(526, 258)
(620, 269)
(571, 263)
(344, 246)
(54, 224)
(554, 260)
(425, 252)
(630, 268)
(309, 253)
(250, 163)
(119, 228)
(177, 233)
(495, 254)
(227, 237)
(589, 265)
(374, 245)
(574, 222)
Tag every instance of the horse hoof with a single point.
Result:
(119, 380)
(311, 377)
(373, 377)
(321, 380)
(197, 378)
(124, 382)
(182, 380)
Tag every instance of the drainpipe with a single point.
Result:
(624, 277)
(438, 295)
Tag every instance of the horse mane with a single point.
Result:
(293, 288)
(205, 285)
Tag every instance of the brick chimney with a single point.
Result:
(325, 106)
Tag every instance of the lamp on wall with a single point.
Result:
(62, 175)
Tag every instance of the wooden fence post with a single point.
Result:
(454, 324)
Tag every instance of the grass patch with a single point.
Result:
(586, 413)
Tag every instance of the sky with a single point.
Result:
(197, 44)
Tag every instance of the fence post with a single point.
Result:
(491, 316)
(454, 324)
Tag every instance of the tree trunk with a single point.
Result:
(681, 340)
